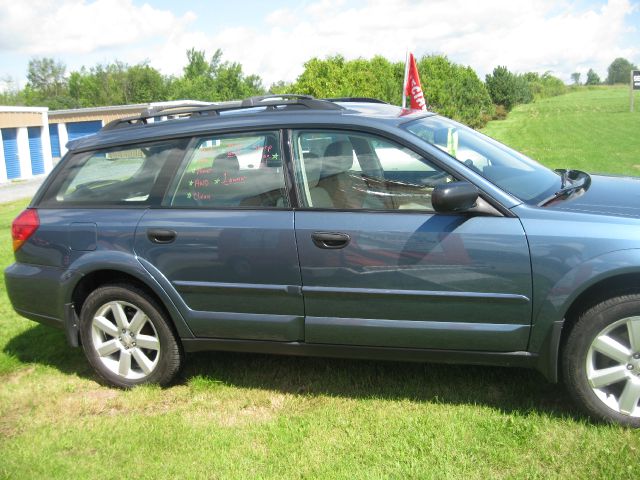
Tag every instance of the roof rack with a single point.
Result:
(356, 99)
(270, 102)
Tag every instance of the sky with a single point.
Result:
(273, 39)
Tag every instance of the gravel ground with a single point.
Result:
(16, 190)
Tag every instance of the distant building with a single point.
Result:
(26, 149)
(34, 138)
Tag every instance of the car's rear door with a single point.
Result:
(224, 240)
(381, 268)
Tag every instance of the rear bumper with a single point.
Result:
(37, 292)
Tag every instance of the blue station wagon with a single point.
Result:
(339, 228)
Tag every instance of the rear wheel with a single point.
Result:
(127, 338)
(601, 360)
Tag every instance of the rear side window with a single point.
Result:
(232, 171)
(117, 176)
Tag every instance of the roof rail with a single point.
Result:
(270, 102)
(356, 99)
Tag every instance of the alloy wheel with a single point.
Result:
(613, 366)
(125, 340)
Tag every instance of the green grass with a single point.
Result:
(588, 129)
(253, 416)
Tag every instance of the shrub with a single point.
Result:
(545, 85)
(337, 77)
(508, 89)
(500, 113)
(451, 89)
(455, 91)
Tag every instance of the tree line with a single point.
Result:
(618, 72)
(451, 89)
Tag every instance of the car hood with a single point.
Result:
(607, 195)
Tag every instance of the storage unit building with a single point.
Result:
(33, 139)
(25, 146)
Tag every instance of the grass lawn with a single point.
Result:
(254, 416)
(588, 129)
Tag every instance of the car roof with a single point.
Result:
(246, 115)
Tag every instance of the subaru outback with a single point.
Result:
(338, 228)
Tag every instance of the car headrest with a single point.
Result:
(226, 162)
(338, 158)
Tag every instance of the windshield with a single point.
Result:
(501, 165)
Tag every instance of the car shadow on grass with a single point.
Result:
(47, 346)
(507, 389)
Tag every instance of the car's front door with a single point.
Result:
(224, 240)
(381, 268)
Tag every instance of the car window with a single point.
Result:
(360, 171)
(506, 168)
(117, 176)
(227, 171)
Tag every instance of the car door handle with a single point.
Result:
(160, 235)
(330, 240)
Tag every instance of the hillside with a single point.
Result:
(589, 129)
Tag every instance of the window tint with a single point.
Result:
(232, 171)
(360, 171)
(117, 176)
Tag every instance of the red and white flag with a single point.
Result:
(412, 86)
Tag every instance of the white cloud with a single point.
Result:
(50, 27)
(526, 35)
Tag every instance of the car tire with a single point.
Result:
(127, 338)
(601, 360)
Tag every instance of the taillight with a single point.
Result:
(23, 227)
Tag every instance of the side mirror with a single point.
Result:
(454, 197)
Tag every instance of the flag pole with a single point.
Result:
(404, 83)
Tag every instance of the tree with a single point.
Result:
(144, 84)
(47, 76)
(117, 84)
(213, 80)
(508, 89)
(100, 85)
(592, 78)
(619, 71)
(47, 84)
(576, 78)
(197, 65)
(281, 87)
(9, 93)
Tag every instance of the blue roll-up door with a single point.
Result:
(54, 136)
(35, 149)
(82, 129)
(10, 147)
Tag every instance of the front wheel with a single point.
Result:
(601, 360)
(127, 338)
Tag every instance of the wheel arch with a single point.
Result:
(91, 276)
(600, 277)
(596, 293)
